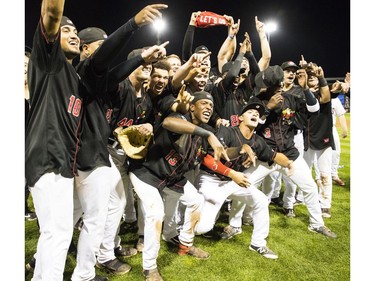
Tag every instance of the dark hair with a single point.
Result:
(162, 64)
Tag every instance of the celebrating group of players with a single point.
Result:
(219, 134)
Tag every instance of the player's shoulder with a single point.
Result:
(226, 131)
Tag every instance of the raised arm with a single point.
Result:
(187, 45)
(182, 101)
(235, 68)
(254, 67)
(125, 68)
(325, 94)
(312, 103)
(264, 61)
(228, 48)
(111, 47)
(51, 14)
(183, 72)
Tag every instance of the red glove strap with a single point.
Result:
(217, 167)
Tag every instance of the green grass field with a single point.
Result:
(303, 255)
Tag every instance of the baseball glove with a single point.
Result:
(132, 142)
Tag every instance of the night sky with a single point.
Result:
(317, 29)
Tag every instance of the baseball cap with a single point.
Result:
(254, 105)
(271, 76)
(202, 95)
(289, 64)
(91, 34)
(66, 21)
(201, 49)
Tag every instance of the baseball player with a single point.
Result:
(179, 146)
(108, 205)
(52, 142)
(338, 111)
(97, 175)
(278, 133)
(234, 90)
(99, 188)
(319, 138)
(216, 188)
(272, 183)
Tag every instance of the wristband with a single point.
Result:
(231, 36)
(201, 132)
(322, 82)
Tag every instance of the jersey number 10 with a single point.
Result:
(74, 106)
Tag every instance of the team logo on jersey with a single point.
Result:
(267, 133)
(199, 155)
(288, 115)
(173, 157)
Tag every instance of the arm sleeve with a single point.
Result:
(112, 46)
(233, 71)
(122, 71)
(312, 103)
(254, 68)
(187, 45)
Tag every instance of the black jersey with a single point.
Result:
(128, 109)
(171, 156)
(229, 103)
(300, 118)
(232, 137)
(278, 129)
(95, 128)
(318, 134)
(55, 111)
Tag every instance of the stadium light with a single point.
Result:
(270, 27)
(159, 26)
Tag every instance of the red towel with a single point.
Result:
(207, 19)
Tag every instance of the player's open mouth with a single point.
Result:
(207, 114)
(73, 42)
(201, 85)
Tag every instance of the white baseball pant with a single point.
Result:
(302, 177)
(53, 202)
(216, 191)
(193, 202)
(153, 210)
(91, 197)
(324, 158)
(116, 207)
